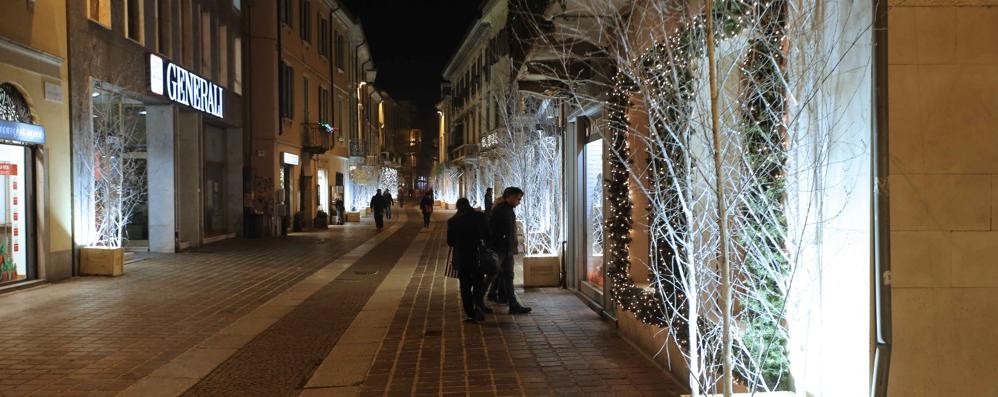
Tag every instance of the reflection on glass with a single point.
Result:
(594, 211)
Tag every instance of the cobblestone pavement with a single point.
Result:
(97, 336)
(561, 348)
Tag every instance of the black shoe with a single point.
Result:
(479, 316)
(471, 320)
(485, 309)
(519, 310)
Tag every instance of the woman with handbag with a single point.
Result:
(466, 233)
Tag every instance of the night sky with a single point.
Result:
(412, 40)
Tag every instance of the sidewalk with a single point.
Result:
(286, 316)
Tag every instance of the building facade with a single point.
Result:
(311, 92)
(35, 207)
(167, 78)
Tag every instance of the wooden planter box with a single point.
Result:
(353, 217)
(542, 271)
(102, 261)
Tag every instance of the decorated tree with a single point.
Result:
(526, 152)
(115, 183)
(712, 107)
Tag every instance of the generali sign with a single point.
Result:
(182, 86)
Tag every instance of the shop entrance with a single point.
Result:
(214, 181)
(17, 188)
(15, 213)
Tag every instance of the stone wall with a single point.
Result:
(943, 92)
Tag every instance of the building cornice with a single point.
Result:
(473, 37)
(29, 58)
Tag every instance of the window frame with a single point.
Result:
(140, 20)
(286, 90)
(103, 11)
(305, 20)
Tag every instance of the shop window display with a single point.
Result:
(13, 258)
(594, 212)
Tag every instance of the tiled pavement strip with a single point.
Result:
(563, 348)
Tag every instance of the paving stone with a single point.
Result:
(562, 348)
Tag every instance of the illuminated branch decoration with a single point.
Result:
(388, 180)
(365, 180)
(707, 134)
(108, 154)
(526, 152)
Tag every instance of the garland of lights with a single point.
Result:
(763, 109)
(645, 304)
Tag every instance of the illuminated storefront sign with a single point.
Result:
(290, 158)
(21, 132)
(181, 86)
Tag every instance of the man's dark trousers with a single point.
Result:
(379, 219)
(504, 282)
(472, 290)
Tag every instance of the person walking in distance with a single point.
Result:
(466, 231)
(401, 197)
(488, 202)
(378, 205)
(502, 233)
(426, 206)
(388, 204)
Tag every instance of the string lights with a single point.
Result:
(666, 78)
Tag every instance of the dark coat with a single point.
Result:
(426, 204)
(378, 203)
(466, 230)
(502, 229)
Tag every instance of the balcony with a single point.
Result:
(467, 154)
(318, 138)
(356, 150)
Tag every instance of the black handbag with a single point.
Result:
(488, 260)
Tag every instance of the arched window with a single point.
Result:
(13, 106)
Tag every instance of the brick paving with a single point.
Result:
(562, 349)
(96, 336)
(279, 361)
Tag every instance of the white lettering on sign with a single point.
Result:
(185, 87)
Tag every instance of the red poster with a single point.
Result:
(15, 200)
(8, 169)
(17, 247)
(15, 185)
(16, 232)
(15, 215)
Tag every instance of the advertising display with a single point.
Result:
(13, 247)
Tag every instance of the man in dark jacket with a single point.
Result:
(502, 230)
(378, 204)
(389, 202)
(426, 206)
(466, 230)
